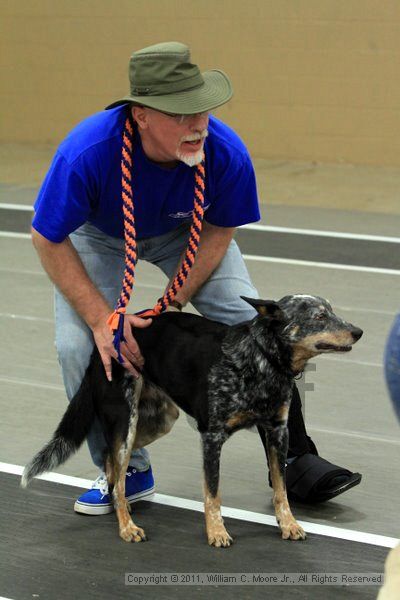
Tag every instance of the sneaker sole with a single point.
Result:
(105, 509)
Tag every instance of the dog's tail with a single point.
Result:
(68, 437)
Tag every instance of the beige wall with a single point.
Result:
(314, 79)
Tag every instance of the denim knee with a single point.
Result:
(220, 297)
(73, 353)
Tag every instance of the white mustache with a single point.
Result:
(194, 137)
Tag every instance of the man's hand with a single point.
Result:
(130, 348)
(130, 351)
(65, 268)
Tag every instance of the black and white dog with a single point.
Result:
(226, 377)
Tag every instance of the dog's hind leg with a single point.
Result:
(216, 533)
(121, 453)
(277, 445)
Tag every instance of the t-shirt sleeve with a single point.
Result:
(64, 200)
(234, 199)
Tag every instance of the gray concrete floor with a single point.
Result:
(348, 413)
(55, 553)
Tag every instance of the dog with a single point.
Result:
(226, 377)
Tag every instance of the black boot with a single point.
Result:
(309, 477)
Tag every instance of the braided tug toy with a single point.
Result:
(116, 319)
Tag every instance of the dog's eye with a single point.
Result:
(320, 316)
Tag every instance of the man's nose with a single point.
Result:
(199, 121)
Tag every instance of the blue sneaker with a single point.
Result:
(96, 501)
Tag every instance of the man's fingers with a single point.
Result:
(134, 357)
(127, 364)
(129, 367)
(131, 348)
(106, 360)
(143, 323)
(106, 355)
(138, 321)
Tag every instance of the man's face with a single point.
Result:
(167, 138)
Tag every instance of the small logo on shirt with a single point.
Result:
(184, 215)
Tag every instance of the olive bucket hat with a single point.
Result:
(162, 77)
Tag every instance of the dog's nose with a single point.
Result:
(356, 332)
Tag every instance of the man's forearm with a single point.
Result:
(64, 267)
(214, 242)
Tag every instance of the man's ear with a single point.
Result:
(266, 308)
(139, 115)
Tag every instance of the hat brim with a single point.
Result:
(217, 90)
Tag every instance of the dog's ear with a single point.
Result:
(266, 308)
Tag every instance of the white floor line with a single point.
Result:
(23, 207)
(22, 271)
(233, 513)
(321, 265)
(25, 318)
(17, 271)
(358, 309)
(347, 360)
(35, 384)
(363, 363)
(285, 261)
(13, 234)
(259, 227)
(323, 233)
(354, 434)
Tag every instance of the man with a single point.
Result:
(78, 230)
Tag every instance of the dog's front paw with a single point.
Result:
(132, 533)
(219, 538)
(292, 531)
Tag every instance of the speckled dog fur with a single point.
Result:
(226, 377)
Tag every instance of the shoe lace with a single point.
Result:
(101, 484)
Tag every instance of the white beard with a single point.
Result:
(190, 160)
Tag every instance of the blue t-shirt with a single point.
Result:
(84, 183)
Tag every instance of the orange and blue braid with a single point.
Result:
(192, 246)
(116, 319)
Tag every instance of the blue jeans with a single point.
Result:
(103, 258)
(392, 364)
